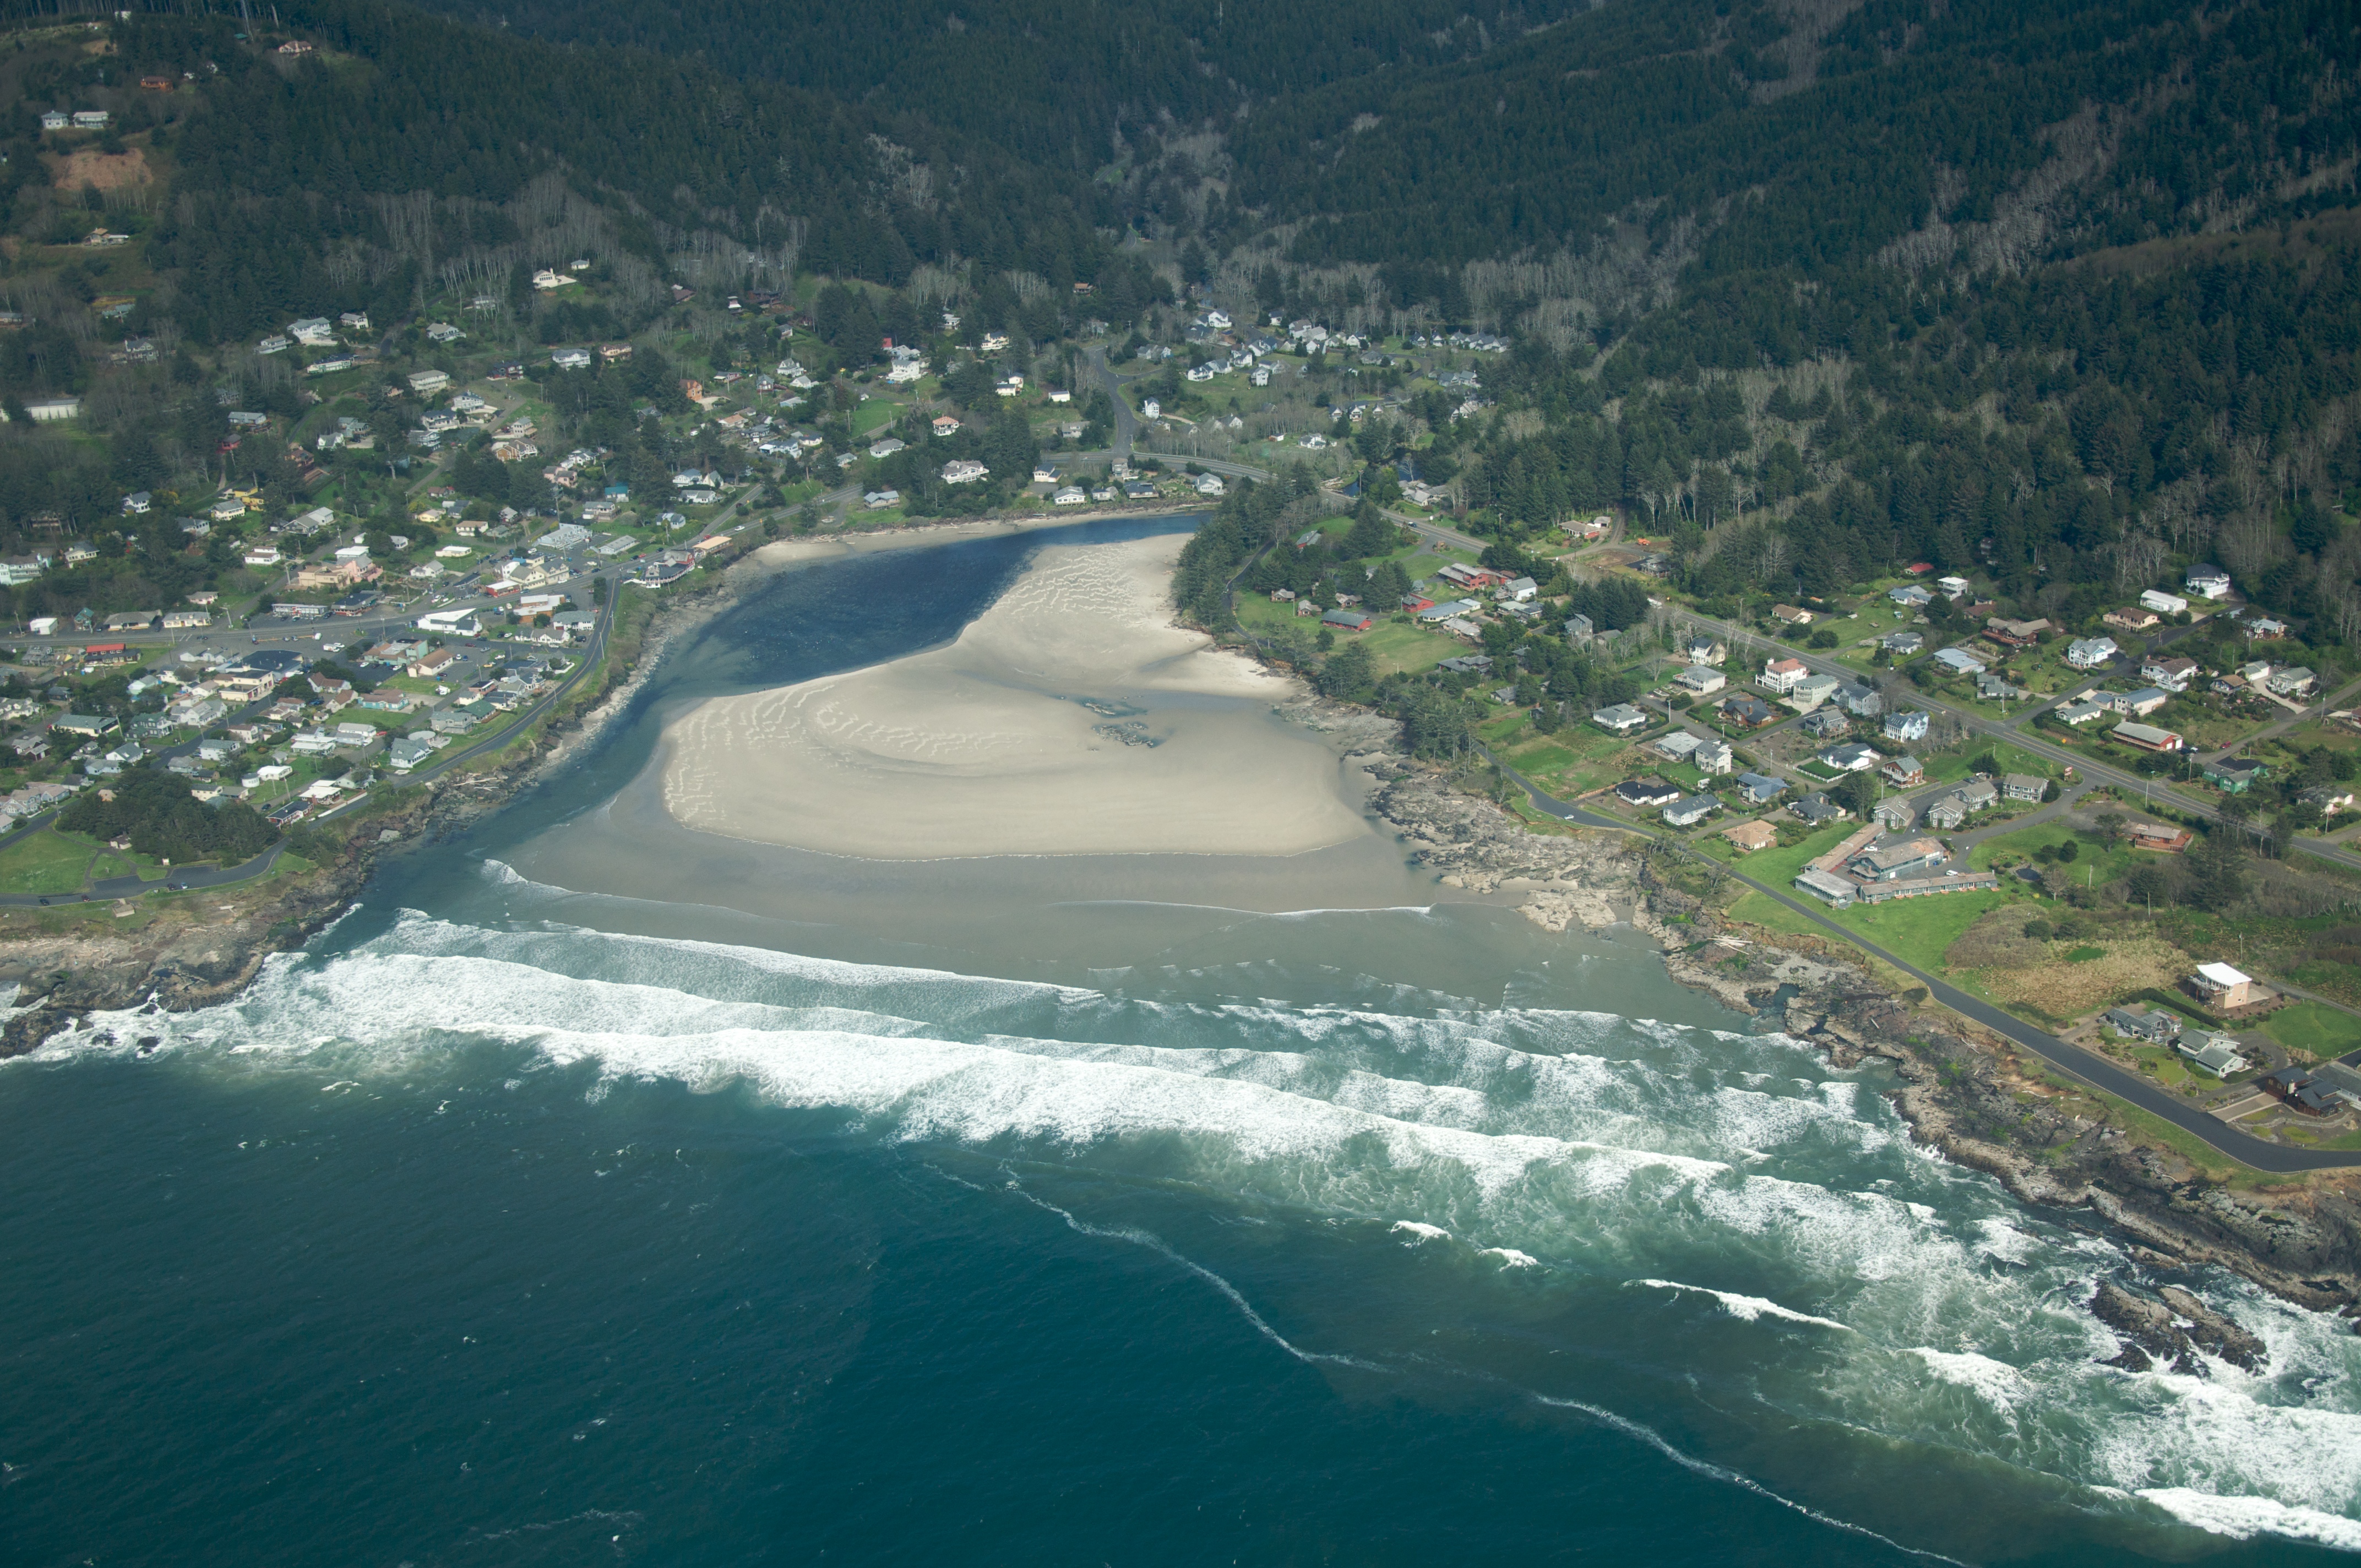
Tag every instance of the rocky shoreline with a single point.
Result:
(1964, 1093)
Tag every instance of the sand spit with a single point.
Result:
(1072, 717)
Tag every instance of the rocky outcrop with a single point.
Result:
(1581, 877)
(2172, 1332)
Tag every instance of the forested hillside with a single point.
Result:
(2062, 289)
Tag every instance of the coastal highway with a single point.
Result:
(2094, 1070)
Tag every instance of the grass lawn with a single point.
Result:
(874, 414)
(45, 861)
(1777, 866)
(1762, 909)
(2164, 1066)
(2316, 1030)
(1919, 930)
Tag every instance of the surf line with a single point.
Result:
(1157, 1244)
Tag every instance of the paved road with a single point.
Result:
(2076, 1063)
(177, 879)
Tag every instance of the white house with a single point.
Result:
(2208, 582)
(2089, 652)
(1701, 680)
(1781, 675)
(2164, 603)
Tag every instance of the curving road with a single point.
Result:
(2096, 1071)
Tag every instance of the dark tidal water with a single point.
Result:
(723, 1205)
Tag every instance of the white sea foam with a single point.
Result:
(1649, 1149)
(1750, 1308)
(1996, 1382)
(2245, 1518)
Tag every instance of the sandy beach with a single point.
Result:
(1072, 717)
(914, 536)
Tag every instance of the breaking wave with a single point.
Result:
(1588, 1156)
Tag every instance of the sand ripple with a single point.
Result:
(985, 748)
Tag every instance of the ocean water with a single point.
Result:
(745, 1206)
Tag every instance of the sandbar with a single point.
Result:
(1073, 717)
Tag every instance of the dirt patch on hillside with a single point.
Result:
(108, 171)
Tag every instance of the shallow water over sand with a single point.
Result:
(603, 1190)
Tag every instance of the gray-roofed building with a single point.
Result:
(1827, 885)
(2153, 1025)
(1690, 810)
(2024, 786)
(1620, 718)
(1887, 860)
(1816, 809)
(1647, 792)
(1759, 789)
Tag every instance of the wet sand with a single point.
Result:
(1072, 717)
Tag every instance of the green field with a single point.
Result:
(1919, 930)
(2317, 1030)
(1576, 761)
(45, 862)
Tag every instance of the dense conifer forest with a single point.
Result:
(2064, 291)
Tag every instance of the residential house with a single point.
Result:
(1621, 719)
(1679, 745)
(1811, 691)
(1578, 630)
(1789, 615)
(2216, 1054)
(1852, 757)
(1690, 810)
(2083, 710)
(2024, 786)
(2133, 618)
(2231, 775)
(1747, 712)
(1750, 836)
(2015, 633)
(2329, 798)
(1956, 806)
(1781, 675)
(1860, 701)
(1905, 770)
(1911, 595)
(426, 383)
(1952, 587)
(2141, 702)
(1713, 757)
(2173, 674)
(1896, 813)
(1905, 725)
(2089, 652)
(1347, 619)
(2208, 582)
(2164, 603)
(1702, 680)
(1959, 663)
(2294, 680)
(1647, 792)
(1816, 809)
(1826, 724)
(2221, 987)
(1902, 644)
(1704, 650)
(1761, 789)
(2150, 1023)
